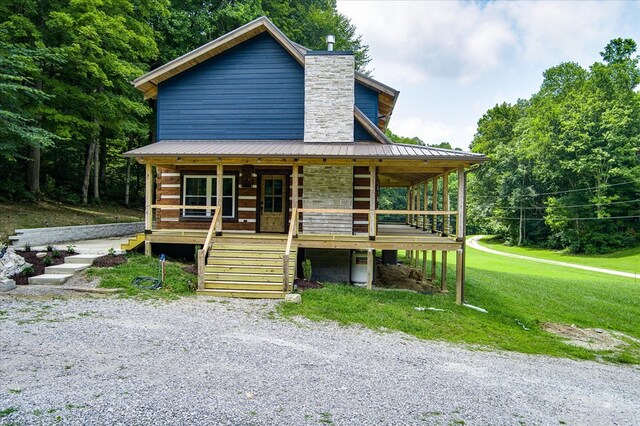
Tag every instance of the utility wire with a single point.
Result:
(560, 192)
(566, 218)
(567, 207)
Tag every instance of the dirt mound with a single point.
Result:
(402, 277)
(109, 260)
(589, 338)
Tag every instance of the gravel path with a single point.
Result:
(474, 242)
(103, 361)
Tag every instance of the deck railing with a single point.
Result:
(215, 227)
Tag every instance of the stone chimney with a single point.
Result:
(328, 96)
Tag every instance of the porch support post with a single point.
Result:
(295, 190)
(408, 202)
(434, 191)
(445, 230)
(445, 203)
(425, 203)
(461, 234)
(148, 211)
(424, 263)
(219, 177)
(418, 216)
(372, 203)
(370, 265)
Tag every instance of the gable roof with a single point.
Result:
(148, 83)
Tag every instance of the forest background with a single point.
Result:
(564, 169)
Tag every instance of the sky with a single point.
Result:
(453, 60)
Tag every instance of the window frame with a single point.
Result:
(210, 182)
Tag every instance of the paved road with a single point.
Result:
(103, 361)
(474, 242)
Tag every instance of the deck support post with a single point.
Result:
(148, 211)
(372, 203)
(434, 191)
(418, 216)
(408, 203)
(424, 263)
(445, 203)
(433, 265)
(461, 235)
(443, 271)
(219, 177)
(370, 266)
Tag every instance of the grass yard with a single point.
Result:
(626, 260)
(42, 214)
(510, 289)
(177, 282)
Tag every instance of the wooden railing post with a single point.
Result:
(148, 211)
(219, 178)
(201, 266)
(372, 203)
(293, 226)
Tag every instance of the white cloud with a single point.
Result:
(454, 60)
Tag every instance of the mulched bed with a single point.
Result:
(303, 285)
(110, 260)
(191, 269)
(38, 264)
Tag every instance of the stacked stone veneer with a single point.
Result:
(328, 97)
(328, 187)
(328, 117)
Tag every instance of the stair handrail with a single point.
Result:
(293, 226)
(204, 251)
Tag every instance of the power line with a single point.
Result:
(575, 205)
(567, 218)
(560, 192)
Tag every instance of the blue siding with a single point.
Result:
(360, 134)
(367, 101)
(253, 91)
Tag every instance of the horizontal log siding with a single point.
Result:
(360, 220)
(253, 91)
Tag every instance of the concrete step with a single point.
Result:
(82, 258)
(66, 268)
(50, 279)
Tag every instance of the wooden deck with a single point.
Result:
(390, 237)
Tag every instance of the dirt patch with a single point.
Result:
(302, 285)
(402, 277)
(57, 258)
(590, 338)
(191, 269)
(110, 260)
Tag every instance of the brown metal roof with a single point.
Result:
(298, 149)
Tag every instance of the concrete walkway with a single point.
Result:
(100, 246)
(474, 242)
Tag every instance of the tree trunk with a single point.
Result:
(127, 179)
(33, 170)
(96, 171)
(87, 172)
(33, 166)
(103, 159)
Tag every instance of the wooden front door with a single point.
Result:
(273, 203)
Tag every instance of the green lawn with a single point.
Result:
(625, 260)
(510, 289)
(42, 214)
(177, 282)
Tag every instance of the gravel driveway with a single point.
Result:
(102, 360)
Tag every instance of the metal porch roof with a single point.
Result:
(298, 149)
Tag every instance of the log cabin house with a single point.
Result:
(269, 153)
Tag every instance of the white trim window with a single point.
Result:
(200, 190)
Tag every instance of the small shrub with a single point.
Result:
(28, 271)
(27, 247)
(47, 261)
(111, 251)
(49, 248)
(306, 270)
(55, 253)
(71, 248)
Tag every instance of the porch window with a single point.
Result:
(199, 190)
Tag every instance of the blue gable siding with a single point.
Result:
(367, 101)
(253, 91)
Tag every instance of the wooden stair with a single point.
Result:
(133, 242)
(251, 268)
